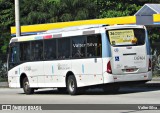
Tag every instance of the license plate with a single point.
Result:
(129, 70)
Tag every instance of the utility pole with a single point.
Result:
(17, 18)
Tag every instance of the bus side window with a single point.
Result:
(25, 51)
(94, 45)
(37, 50)
(13, 56)
(50, 49)
(64, 48)
(78, 47)
(140, 34)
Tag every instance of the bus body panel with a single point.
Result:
(14, 77)
(88, 71)
(111, 78)
(28, 69)
(130, 59)
(55, 72)
(36, 76)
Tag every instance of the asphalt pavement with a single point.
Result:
(141, 94)
(155, 82)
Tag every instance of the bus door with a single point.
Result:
(128, 48)
(12, 63)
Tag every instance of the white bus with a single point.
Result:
(77, 57)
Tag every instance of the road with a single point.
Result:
(126, 95)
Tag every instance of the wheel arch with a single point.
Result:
(23, 75)
(68, 74)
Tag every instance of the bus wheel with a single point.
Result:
(111, 89)
(26, 87)
(72, 85)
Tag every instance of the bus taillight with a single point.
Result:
(150, 65)
(109, 69)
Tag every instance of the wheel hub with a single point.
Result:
(26, 86)
(71, 85)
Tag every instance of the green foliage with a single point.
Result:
(35, 12)
(110, 8)
(3, 71)
(46, 11)
(154, 34)
(6, 20)
(77, 10)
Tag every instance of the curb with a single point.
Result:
(156, 79)
(4, 85)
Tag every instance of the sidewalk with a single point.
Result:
(3, 84)
(156, 79)
(154, 83)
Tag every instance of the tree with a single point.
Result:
(49, 11)
(110, 8)
(71, 10)
(6, 20)
(39, 12)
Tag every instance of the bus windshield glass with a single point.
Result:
(124, 37)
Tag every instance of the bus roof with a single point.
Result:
(76, 30)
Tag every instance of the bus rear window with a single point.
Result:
(126, 37)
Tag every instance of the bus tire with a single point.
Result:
(72, 85)
(26, 87)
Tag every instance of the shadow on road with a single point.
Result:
(98, 91)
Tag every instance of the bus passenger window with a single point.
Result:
(50, 49)
(37, 50)
(94, 45)
(25, 51)
(78, 47)
(64, 48)
(13, 56)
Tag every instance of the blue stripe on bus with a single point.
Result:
(156, 23)
(106, 47)
(19, 71)
(38, 37)
(147, 44)
(52, 69)
(82, 68)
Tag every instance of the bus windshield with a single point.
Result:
(124, 37)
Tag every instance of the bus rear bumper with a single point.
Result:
(109, 78)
